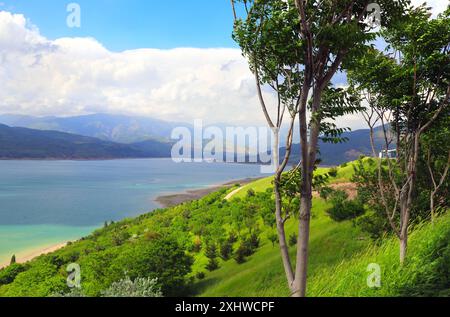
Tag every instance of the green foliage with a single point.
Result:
(226, 250)
(8, 274)
(293, 239)
(272, 237)
(241, 253)
(333, 172)
(200, 275)
(343, 209)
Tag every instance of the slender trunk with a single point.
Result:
(309, 150)
(403, 248)
(279, 208)
(282, 236)
(433, 216)
(299, 286)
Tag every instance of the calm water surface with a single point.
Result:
(46, 202)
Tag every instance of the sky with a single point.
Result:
(171, 60)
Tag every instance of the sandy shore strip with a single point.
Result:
(167, 201)
(36, 253)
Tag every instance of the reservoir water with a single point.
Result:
(47, 202)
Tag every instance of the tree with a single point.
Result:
(312, 39)
(411, 86)
(212, 254)
(13, 260)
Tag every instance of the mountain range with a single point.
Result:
(106, 136)
(24, 143)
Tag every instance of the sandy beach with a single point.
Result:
(35, 253)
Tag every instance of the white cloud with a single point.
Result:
(438, 6)
(72, 76)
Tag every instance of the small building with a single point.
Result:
(391, 154)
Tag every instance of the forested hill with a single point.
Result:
(23, 143)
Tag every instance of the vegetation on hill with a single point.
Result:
(172, 250)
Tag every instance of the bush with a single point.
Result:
(197, 245)
(240, 254)
(200, 275)
(254, 241)
(293, 240)
(344, 209)
(272, 237)
(211, 251)
(212, 265)
(333, 172)
(232, 238)
(251, 193)
(344, 165)
(226, 250)
(140, 287)
(8, 274)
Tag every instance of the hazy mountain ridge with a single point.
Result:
(24, 143)
(116, 128)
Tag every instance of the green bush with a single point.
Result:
(212, 265)
(293, 239)
(8, 274)
(343, 209)
(200, 275)
(240, 254)
(333, 172)
(226, 250)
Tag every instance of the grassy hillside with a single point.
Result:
(172, 244)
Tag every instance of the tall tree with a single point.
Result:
(412, 84)
(319, 37)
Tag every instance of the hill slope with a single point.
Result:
(339, 256)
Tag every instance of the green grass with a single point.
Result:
(339, 258)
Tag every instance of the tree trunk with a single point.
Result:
(299, 286)
(403, 248)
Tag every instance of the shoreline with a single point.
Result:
(165, 201)
(33, 254)
(171, 200)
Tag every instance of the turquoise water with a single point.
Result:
(46, 202)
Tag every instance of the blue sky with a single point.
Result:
(130, 24)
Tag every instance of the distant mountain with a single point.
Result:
(335, 154)
(23, 143)
(116, 128)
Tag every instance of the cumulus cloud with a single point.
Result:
(70, 76)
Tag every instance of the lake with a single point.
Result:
(47, 202)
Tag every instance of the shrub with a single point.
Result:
(272, 237)
(240, 254)
(226, 250)
(211, 254)
(200, 275)
(343, 209)
(211, 251)
(151, 235)
(140, 287)
(333, 172)
(293, 239)
(251, 193)
(232, 238)
(8, 274)
(212, 265)
(197, 245)
(344, 165)
(254, 241)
